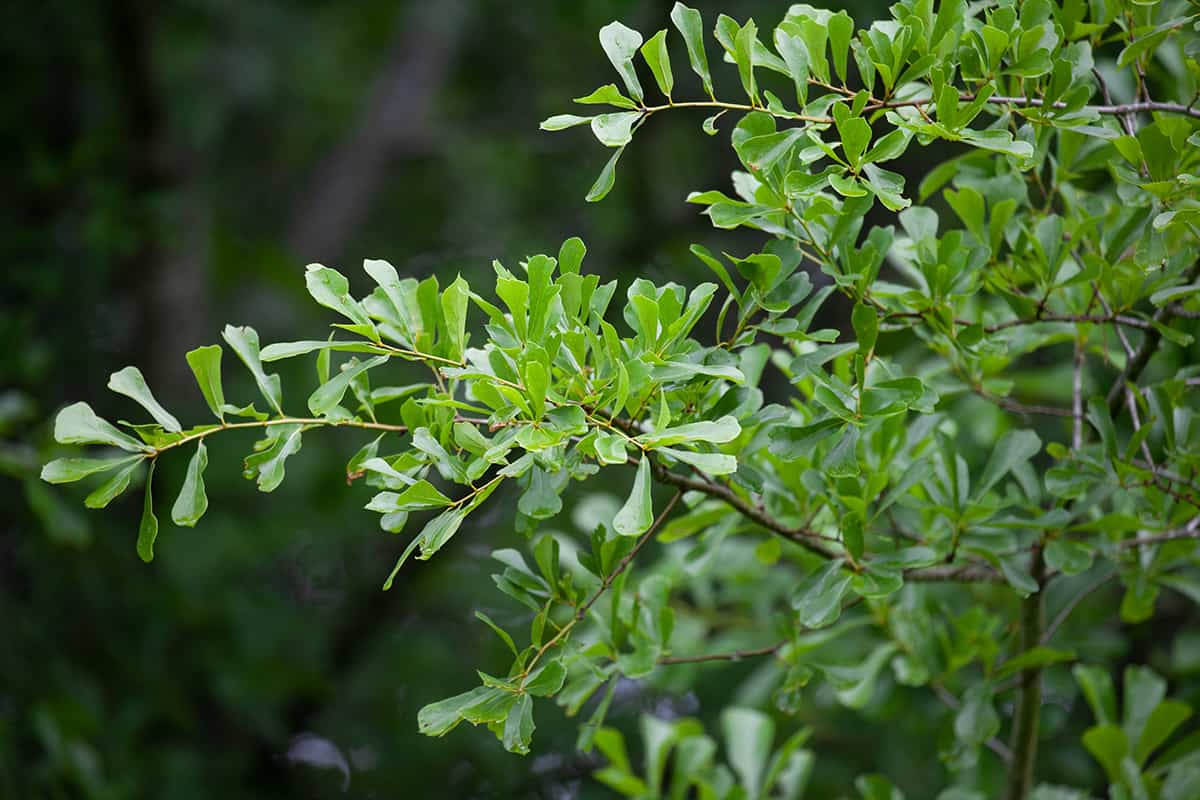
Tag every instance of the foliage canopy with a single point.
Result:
(1008, 416)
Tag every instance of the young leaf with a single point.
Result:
(454, 310)
(131, 383)
(112, 488)
(148, 527)
(329, 394)
(421, 496)
(621, 45)
(818, 598)
(659, 60)
(720, 431)
(560, 122)
(192, 501)
(1013, 449)
(615, 130)
(206, 366)
(608, 94)
(331, 289)
(244, 341)
(866, 326)
(711, 463)
(841, 30)
(69, 470)
(637, 515)
(78, 424)
(604, 182)
(690, 25)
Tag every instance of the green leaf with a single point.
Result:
(841, 31)
(547, 680)
(454, 311)
(286, 443)
(690, 25)
(1166, 717)
(866, 326)
(719, 431)
(856, 135)
(748, 737)
(503, 634)
(148, 527)
(438, 531)
(998, 141)
(1097, 687)
(78, 424)
(570, 256)
(518, 726)
(421, 496)
(206, 366)
(438, 719)
(818, 598)
(1108, 745)
(328, 395)
(743, 56)
(795, 56)
(540, 500)
(604, 182)
(192, 502)
(637, 515)
(710, 463)
(560, 122)
(610, 448)
(1164, 296)
(331, 289)
(976, 720)
(659, 60)
(608, 94)
(244, 341)
(113, 487)
(69, 470)
(131, 383)
(1013, 449)
(615, 130)
(281, 350)
(621, 45)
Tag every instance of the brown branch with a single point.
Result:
(1117, 110)
(806, 538)
(1168, 536)
(1119, 319)
(811, 540)
(1022, 408)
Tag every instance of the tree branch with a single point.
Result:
(1119, 319)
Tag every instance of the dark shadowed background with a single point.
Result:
(172, 166)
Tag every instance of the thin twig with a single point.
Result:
(736, 655)
(605, 584)
(1119, 319)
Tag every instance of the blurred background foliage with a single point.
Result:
(172, 166)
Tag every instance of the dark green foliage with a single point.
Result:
(1009, 411)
